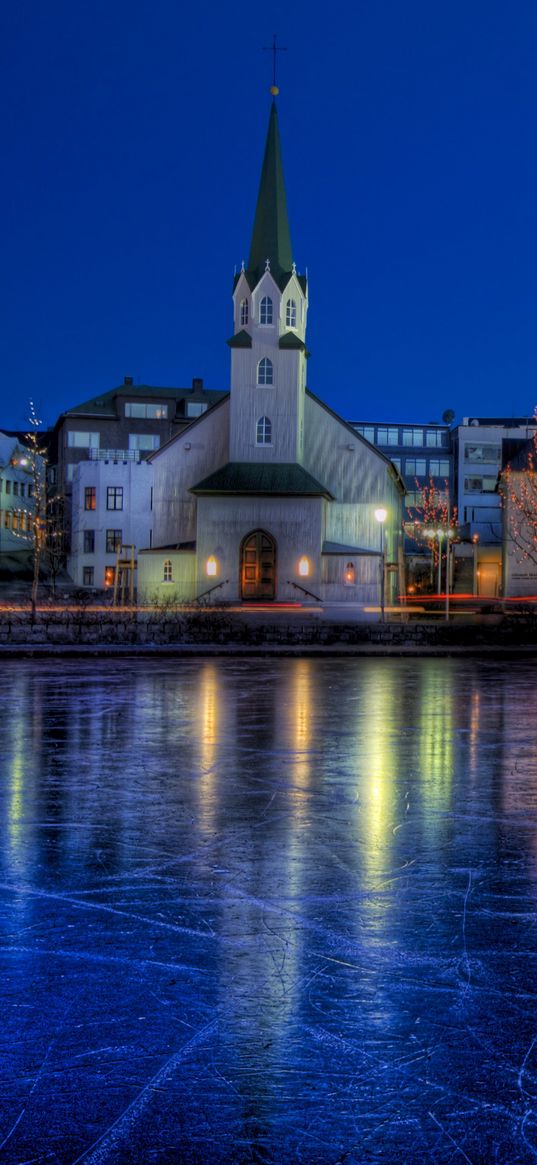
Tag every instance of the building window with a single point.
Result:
(290, 314)
(265, 310)
(367, 431)
(134, 408)
(16, 488)
(387, 435)
(263, 435)
(113, 541)
(350, 574)
(415, 467)
(30, 490)
(244, 312)
(168, 571)
(7, 519)
(15, 525)
(90, 497)
(114, 497)
(144, 441)
(480, 484)
(23, 489)
(397, 462)
(8, 487)
(436, 438)
(438, 468)
(52, 474)
(88, 576)
(412, 436)
(79, 440)
(109, 576)
(195, 408)
(490, 453)
(89, 541)
(265, 371)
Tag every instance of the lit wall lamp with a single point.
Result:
(304, 567)
(211, 566)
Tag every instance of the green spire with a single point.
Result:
(271, 238)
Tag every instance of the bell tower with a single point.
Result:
(268, 349)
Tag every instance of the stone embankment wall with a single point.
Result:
(212, 629)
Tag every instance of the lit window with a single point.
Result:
(90, 498)
(78, 440)
(244, 312)
(265, 371)
(109, 576)
(265, 310)
(144, 441)
(146, 411)
(113, 541)
(168, 571)
(290, 314)
(263, 434)
(114, 498)
(211, 566)
(7, 519)
(350, 574)
(89, 541)
(88, 575)
(15, 519)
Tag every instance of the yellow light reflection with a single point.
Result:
(377, 761)
(209, 718)
(436, 725)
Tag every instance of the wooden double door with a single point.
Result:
(258, 566)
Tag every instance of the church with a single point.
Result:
(269, 496)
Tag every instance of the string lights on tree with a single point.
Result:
(518, 493)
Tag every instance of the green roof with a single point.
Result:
(241, 340)
(271, 237)
(240, 477)
(289, 340)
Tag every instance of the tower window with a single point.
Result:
(265, 371)
(244, 312)
(264, 431)
(265, 310)
(290, 314)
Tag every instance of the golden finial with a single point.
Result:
(274, 90)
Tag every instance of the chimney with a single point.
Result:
(197, 383)
(128, 380)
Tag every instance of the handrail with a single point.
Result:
(299, 588)
(211, 589)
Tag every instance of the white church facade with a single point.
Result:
(270, 496)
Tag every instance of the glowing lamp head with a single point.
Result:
(211, 566)
(381, 514)
(304, 567)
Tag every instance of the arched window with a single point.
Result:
(290, 314)
(244, 312)
(265, 310)
(350, 574)
(265, 371)
(168, 571)
(264, 431)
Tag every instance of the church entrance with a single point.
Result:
(258, 566)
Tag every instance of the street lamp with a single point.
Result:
(448, 533)
(381, 514)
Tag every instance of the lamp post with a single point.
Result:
(448, 533)
(381, 514)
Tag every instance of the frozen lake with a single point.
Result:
(277, 911)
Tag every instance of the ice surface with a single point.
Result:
(272, 911)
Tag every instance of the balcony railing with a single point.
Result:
(114, 454)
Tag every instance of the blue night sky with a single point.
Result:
(132, 142)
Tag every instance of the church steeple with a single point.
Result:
(271, 237)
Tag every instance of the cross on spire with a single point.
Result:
(274, 49)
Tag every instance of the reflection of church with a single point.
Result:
(269, 494)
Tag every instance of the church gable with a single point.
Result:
(189, 457)
(352, 470)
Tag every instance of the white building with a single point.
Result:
(111, 506)
(478, 453)
(270, 495)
